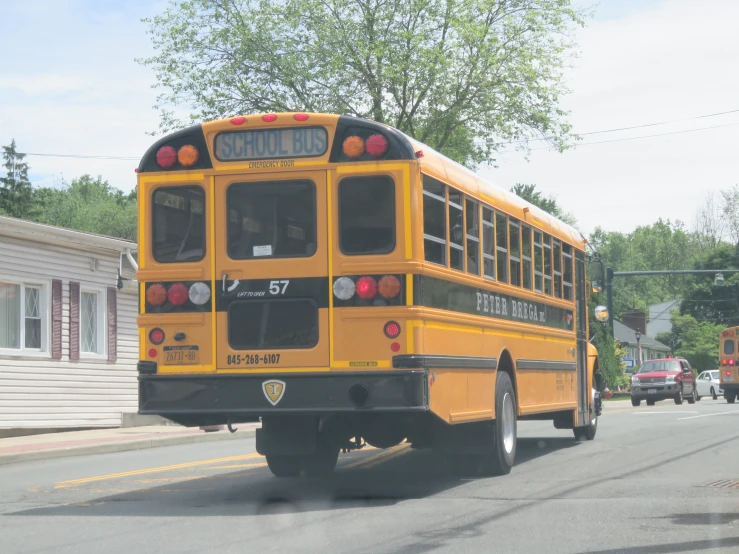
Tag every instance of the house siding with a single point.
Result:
(43, 392)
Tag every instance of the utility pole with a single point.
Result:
(610, 274)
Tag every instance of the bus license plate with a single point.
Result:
(181, 355)
(652, 391)
(728, 379)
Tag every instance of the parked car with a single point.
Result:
(663, 379)
(709, 384)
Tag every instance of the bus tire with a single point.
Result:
(503, 455)
(284, 466)
(588, 431)
(730, 397)
(322, 462)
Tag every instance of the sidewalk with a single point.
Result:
(101, 441)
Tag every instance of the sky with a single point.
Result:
(640, 62)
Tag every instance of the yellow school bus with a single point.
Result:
(728, 361)
(348, 285)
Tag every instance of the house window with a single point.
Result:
(92, 323)
(23, 317)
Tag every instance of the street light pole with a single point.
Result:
(638, 350)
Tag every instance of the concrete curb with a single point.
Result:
(110, 447)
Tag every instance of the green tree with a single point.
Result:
(89, 204)
(547, 203)
(660, 246)
(459, 75)
(16, 195)
(705, 301)
(697, 341)
(609, 351)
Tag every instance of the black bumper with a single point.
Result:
(220, 398)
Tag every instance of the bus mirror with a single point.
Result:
(601, 314)
(596, 287)
(598, 378)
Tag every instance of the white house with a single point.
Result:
(68, 335)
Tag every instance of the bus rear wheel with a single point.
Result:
(500, 459)
(320, 463)
(730, 397)
(284, 466)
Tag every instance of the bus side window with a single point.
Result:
(434, 221)
(567, 271)
(456, 230)
(526, 256)
(472, 237)
(538, 262)
(515, 252)
(548, 265)
(501, 245)
(488, 242)
(557, 251)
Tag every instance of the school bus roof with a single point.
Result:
(432, 163)
(438, 165)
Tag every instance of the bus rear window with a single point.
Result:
(728, 347)
(367, 215)
(178, 221)
(275, 219)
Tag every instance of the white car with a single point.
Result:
(708, 384)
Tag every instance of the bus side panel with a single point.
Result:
(458, 395)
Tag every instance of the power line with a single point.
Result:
(643, 137)
(632, 127)
(84, 156)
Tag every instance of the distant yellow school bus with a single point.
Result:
(728, 356)
(349, 285)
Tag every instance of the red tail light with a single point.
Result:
(238, 120)
(728, 373)
(178, 294)
(156, 336)
(166, 157)
(731, 362)
(366, 287)
(156, 295)
(392, 329)
(376, 145)
(269, 118)
(301, 117)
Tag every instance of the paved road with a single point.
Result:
(641, 487)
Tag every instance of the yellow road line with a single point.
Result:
(71, 482)
(238, 466)
(379, 457)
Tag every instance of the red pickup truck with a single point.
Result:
(664, 379)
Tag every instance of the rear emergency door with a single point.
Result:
(272, 270)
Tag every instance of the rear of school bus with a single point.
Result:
(274, 253)
(728, 355)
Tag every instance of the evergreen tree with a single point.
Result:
(16, 194)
